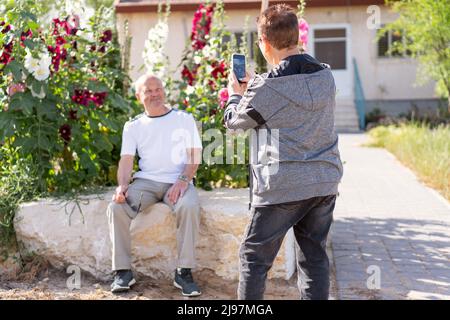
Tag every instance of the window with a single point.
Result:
(330, 46)
(389, 41)
(255, 54)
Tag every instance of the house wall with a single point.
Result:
(382, 78)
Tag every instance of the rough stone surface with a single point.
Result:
(65, 236)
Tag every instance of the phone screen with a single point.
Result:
(239, 66)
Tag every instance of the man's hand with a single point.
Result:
(176, 191)
(234, 87)
(121, 194)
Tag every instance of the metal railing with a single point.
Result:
(360, 100)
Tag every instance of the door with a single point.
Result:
(330, 43)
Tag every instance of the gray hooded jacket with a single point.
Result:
(294, 149)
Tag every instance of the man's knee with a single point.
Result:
(114, 210)
(188, 205)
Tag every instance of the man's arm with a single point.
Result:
(176, 191)
(123, 177)
(239, 113)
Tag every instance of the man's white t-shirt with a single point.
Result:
(161, 144)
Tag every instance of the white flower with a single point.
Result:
(208, 52)
(197, 59)
(155, 59)
(31, 63)
(190, 90)
(40, 68)
(41, 73)
(46, 60)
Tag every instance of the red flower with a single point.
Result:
(65, 131)
(81, 97)
(6, 29)
(219, 69)
(201, 26)
(73, 114)
(223, 97)
(99, 98)
(188, 75)
(60, 40)
(106, 36)
(24, 36)
(6, 57)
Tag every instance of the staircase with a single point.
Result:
(350, 113)
(346, 118)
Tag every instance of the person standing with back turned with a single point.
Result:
(296, 169)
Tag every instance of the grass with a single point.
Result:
(424, 150)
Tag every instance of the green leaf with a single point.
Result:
(29, 44)
(108, 122)
(33, 25)
(16, 69)
(37, 86)
(97, 86)
(23, 102)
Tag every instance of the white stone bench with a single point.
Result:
(43, 227)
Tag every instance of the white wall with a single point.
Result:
(382, 78)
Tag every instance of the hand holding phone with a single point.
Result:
(238, 66)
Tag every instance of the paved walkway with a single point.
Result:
(387, 221)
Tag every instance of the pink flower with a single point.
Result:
(15, 87)
(303, 28)
(223, 97)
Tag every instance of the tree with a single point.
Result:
(425, 24)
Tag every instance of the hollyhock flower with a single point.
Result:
(39, 67)
(6, 56)
(106, 36)
(41, 73)
(30, 63)
(201, 26)
(24, 36)
(102, 49)
(16, 87)
(72, 114)
(223, 95)
(75, 21)
(6, 29)
(60, 40)
(219, 69)
(81, 97)
(190, 90)
(65, 131)
(99, 98)
(197, 59)
(188, 75)
(303, 28)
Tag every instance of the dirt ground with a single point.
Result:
(50, 284)
(37, 280)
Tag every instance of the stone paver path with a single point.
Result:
(388, 223)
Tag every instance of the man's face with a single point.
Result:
(151, 93)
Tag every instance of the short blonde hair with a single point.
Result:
(142, 79)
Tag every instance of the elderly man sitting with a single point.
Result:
(164, 175)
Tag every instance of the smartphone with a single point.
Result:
(238, 66)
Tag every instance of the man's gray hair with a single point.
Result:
(142, 79)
